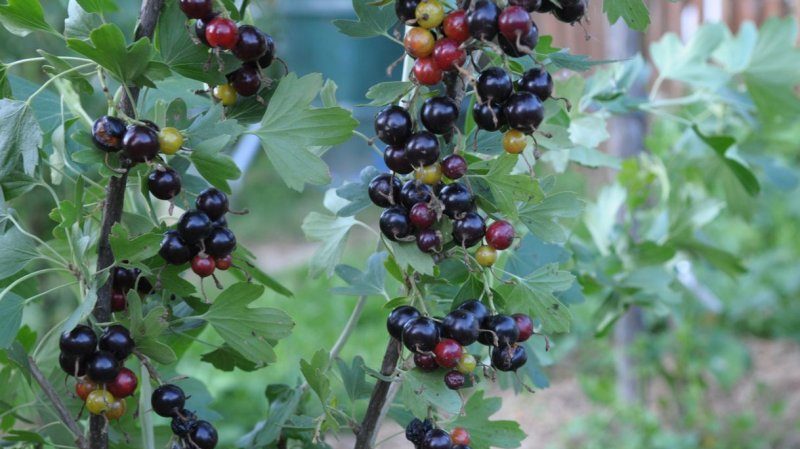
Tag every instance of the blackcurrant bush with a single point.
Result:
(213, 202)
(422, 149)
(103, 367)
(384, 190)
(140, 143)
(164, 183)
(436, 439)
(252, 44)
(417, 429)
(422, 216)
(448, 352)
(426, 362)
(571, 11)
(476, 308)
(405, 9)
(457, 200)
(269, 55)
(524, 112)
(439, 115)
(196, 9)
(488, 116)
(454, 380)
(167, 400)
(203, 436)
(107, 133)
(529, 5)
(222, 32)
(174, 250)
(398, 318)
(220, 243)
(194, 225)
(462, 326)
(469, 230)
(495, 85)
(183, 423)
(414, 192)
(514, 22)
(429, 240)
(454, 166)
(482, 20)
(524, 45)
(504, 331)
(393, 125)
(537, 81)
(72, 364)
(500, 235)
(246, 80)
(395, 158)
(117, 340)
(394, 223)
(80, 341)
(509, 358)
(421, 334)
(525, 325)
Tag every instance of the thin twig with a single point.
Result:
(58, 405)
(373, 417)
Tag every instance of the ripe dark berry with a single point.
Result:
(71, 364)
(421, 334)
(414, 192)
(469, 230)
(454, 380)
(500, 235)
(194, 226)
(488, 116)
(167, 400)
(174, 250)
(117, 341)
(107, 133)
(140, 143)
(448, 352)
(200, 29)
(462, 326)
(514, 21)
(529, 5)
(476, 308)
(196, 9)
(422, 149)
(384, 190)
(80, 341)
(394, 223)
(203, 436)
(124, 384)
(246, 80)
(439, 115)
(220, 243)
(122, 279)
(546, 6)
(269, 55)
(454, 166)
(504, 331)
(164, 183)
(570, 11)
(213, 202)
(393, 125)
(524, 112)
(221, 221)
(483, 20)
(119, 302)
(429, 240)
(103, 367)
(455, 26)
(495, 85)
(538, 82)
(252, 44)
(525, 325)
(417, 429)
(509, 358)
(457, 200)
(183, 423)
(222, 32)
(422, 216)
(398, 318)
(405, 9)
(524, 45)
(426, 72)
(437, 438)
(426, 362)
(203, 266)
(395, 158)
(448, 55)
(143, 285)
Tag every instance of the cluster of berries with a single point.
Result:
(123, 280)
(169, 401)
(433, 56)
(103, 382)
(424, 435)
(202, 236)
(255, 48)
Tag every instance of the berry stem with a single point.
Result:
(61, 409)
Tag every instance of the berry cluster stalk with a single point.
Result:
(112, 212)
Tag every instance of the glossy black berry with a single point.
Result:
(252, 44)
(384, 190)
(469, 230)
(246, 80)
(505, 331)
(429, 240)
(421, 334)
(79, 341)
(538, 82)
(524, 112)
(457, 200)
(509, 358)
(488, 116)
(394, 223)
(174, 250)
(167, 400)
(454, 166)
(200, 29)
(482, 20)
(183, 423)
(220, 243)
(461, 326)
(525, 46)
(398, 318)
(476, 308)
(122, 279)
(571, 11)
(213, 202)
(71, 364)
(454, 380)
(393, 125)
(194, 225)
(437, 439)
(143, 285)
(164, 183)
(529, 5)
(269, 55)
(196, 9)
(117, 340)
(417, 429)
(395, 158)
(546, 6)
(221, 221)
(140, 143)
(426, 362)
(103, 367)
(406, 9)
(422, 149)
(439, 114)
(495, 85)
(107, 133)
(414, 192)
(203, 436)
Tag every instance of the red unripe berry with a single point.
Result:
(514, 21)
(454, 166)
(222, 32)
(525, 325)
(460, 436)
(85, 386)
(500, 235)
(422, 216)
(425, 362)
(448, 352)
(426, 72)
(223, 263)
(455, 26)
(124, 384)
(203, 266)
(119, 302)
(448, 54)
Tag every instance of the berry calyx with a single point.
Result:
(140, 143)
(514, 142)
(448, 352)
(395, 158)
(414, 192)
(83, 387)
(422, 149)
(107, 133)
(393, 125)
(429, 14)
(430, 175)
(538, 82)
(439, 115)
(469, 230)
(457, 200)
(437, 438)
(222, 32)
(226, 94)
(455, 26)
(220, 243)
(223, 263)
(509, 358)
(212, 202)
(398, 318)
(500, 235)
(467, 364)
(417, 429)
(486, 256)
(203, 266)
(525, 325)
(124, 384)
(482, 20)
(246, 80)
(448, 55)
(462, 326)
(419, 42)
(203, 436)
(524, 112)
(429, 240)
(394, 223)
(513, 22)
(460, 435)
(167, 400)
(80, 341)
(251, 44)
(454, 380)
(421, 334)
(488, 116)
(164, 183)
(174, 250)
(117, 341)
(196, 9)
(170, 140)
(194, 226)
(384, 190)
(422, 216)
(426, 72)
(183, 423)
(103, 367)
(495, 85)
(99, 401)
(426, 362)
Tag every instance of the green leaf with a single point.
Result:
(251, 332)
(20, 137)
(18, 251)
(601, 217)
(577, 63)
(421, 390)
(721, 145)
(633, 12)
(533, 295)
(315, 373)
(133, 249)
(690, 62)
(79, 23)
(98, 6)
(5, 86)
(84, 309)
(388, 92)
(225, 358)
(291, 127)
(216, 167)
(366, 283)
(211, 125)
(20, 17)
(128, 64)
(507, 189)
(332, 233)
(356, 193)
(11, 307)
(543, 219)
(283, 402)
(372, 20)
(484, 432)
(354, 378)
(407, 255)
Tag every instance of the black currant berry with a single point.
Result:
(72, 364)
(200, 29)
(107, 133)
(393, 125)
(538, 82)
(426, 362)
(122, 279)
(103, 367)
(174, 250)
(221, 222)
(570, 11)
(194, 225)
(422, 149)
(140, 143)
(488, 116)
(213, 202)
(437, 439)
(220, 243)
(117, 340)
(421, 334)
(529, 5)
(476, 308)
(269, 55)
(196, 9)
(80, 341)
(461, 326)
(503, 328)
(252, 44)
(203, 436)
(546, 6)
(394, 223)
(457, 200)
(384, 190)
(454, 166)
(525, 44)
(495, 85)
(482, 20)
(509, 358)
(395, 158)
(524, 112)
(454, 380)
(414, 192)
(417, 429)
(246, 80)
(469, 230)
(183, 423)
(406, 9)
(429, 240)
(167, 400)
(164, 183)
(398, 318)
(439, 115)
